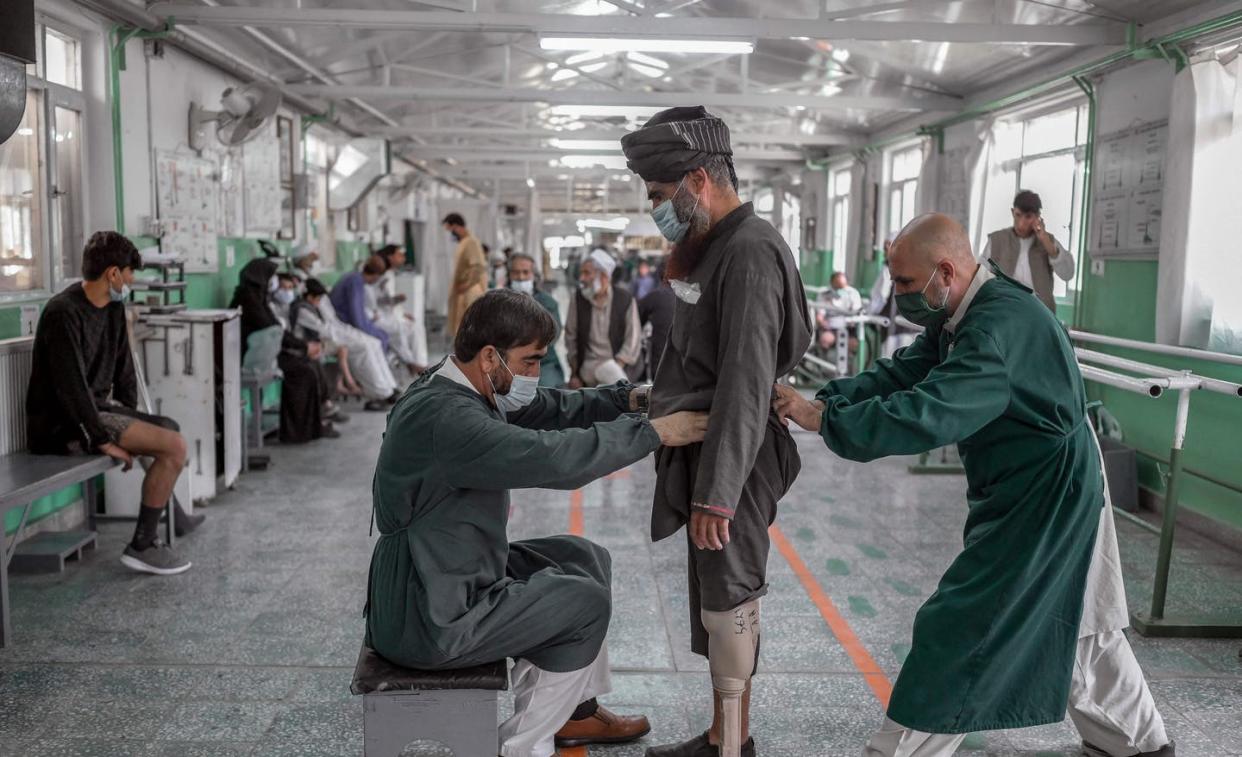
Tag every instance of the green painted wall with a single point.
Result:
(205, 290)
(1122, 303)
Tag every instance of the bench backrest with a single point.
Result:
(16, 362)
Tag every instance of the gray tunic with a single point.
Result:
(749, 327)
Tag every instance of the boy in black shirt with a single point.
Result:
(83, 393)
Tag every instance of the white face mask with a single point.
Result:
(285, 296)
(273, 284)
(525, 287)
(521, 393)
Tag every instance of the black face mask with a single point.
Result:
(456, 236)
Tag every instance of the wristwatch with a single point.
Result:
(643, 395)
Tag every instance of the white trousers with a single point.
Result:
(603, 373)
(370, 368)
(1109, 702)
(543, 702)
(402, 337)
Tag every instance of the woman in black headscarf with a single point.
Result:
(300, 394)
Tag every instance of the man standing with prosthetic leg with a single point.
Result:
(740, 323)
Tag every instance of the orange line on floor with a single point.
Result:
(875, 677)
(623, 473)
(575, 512)
(575, 528)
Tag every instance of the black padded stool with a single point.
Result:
(456, 708)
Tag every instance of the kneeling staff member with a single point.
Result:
(1028, 619)
(447, 588)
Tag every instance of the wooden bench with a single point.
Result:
(456, 708)
(25, 478)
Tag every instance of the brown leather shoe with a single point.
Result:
(604, 727)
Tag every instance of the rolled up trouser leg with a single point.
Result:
(732, 642)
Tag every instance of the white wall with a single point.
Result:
(1136, 93)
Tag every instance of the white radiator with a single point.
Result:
(16, 361)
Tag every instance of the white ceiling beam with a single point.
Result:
(508, 154)
(700, 27)
(490, 171)
(577, 96)
(736, 137)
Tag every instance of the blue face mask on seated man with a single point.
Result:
(521, 393)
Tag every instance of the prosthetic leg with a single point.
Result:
(733, 642)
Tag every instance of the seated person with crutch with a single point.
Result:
(84, 394)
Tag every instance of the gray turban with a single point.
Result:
(675, 142)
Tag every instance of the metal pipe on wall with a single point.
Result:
(1159, 349)
(1134, 366)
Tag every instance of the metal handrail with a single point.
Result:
(1158, 349)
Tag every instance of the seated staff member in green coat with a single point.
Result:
(1028, 619)
(447, 588)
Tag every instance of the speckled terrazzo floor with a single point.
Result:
(250, 653)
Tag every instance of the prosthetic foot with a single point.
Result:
(732, 643)
(699, 746)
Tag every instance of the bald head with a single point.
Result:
(932, 253)
(931, 238)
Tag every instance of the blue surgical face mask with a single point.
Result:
(665, 216)
(522, 391)
(119, 296)
(285, 296)
(525, 287)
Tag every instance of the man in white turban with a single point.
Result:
(602, 331)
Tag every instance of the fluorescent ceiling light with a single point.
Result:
(616, 224)
(603, 111)
(607, 145)
(646, 60)
(591, 68)
(564, 74)
(580, 58)
(530, 182)
(648, 45)
(647, 71)
(614, 162)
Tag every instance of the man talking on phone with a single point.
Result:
(1027, 253)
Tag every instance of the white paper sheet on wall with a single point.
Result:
(261, 166)
(187, 197)
(1129, 191)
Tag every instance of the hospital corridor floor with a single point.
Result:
(251, 652)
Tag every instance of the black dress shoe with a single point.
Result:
(376, 406)
(699, 746)
(328, 432)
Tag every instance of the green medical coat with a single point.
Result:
(551, 374)
(447, 589)
(994, 645)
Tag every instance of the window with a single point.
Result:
(1045, 154)
(904, 167)
(839, 181)
(61, 64)
(21, 205)
(42, 207)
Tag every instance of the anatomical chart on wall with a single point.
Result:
(261, 169)
(1129, 191)
(187, 196)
